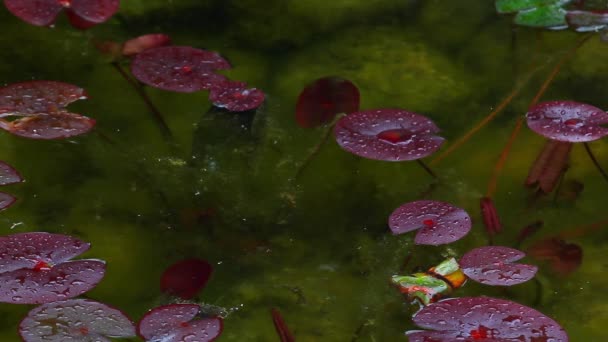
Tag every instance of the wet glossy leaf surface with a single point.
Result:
(536, 13)
(186, 278)
(179, 68)
(75, 320)
(388, 134)
(94, 11)
(484, 319)
(568, 121)
(35, 12)
(60, 125)
(321, 100)
(178, 322)
(235, 96)
(44, 12)
(8, 174)
(36, 97)
(439, 222)
(493, 265)
(34, 268)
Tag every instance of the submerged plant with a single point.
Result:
(549, 166)
(37, 268)
(281, 327)
(75, 320)
(36, 110)
(179, 322)
(81, 13)
(186, 278)
(563, 257)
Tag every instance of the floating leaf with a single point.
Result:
(186, 278)
(179, 68)
(439, 222)
(235, 96)
(8, 175)
(75, 320)
(388, 134)
(323, 99)
(178, 322)
(36, 110)
(484, 319)
(493, 265)
(563, 258)
(82, 13)
(568, 121)
(586, 21)
(35, 268)
(536, 13)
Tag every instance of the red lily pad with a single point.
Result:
(45, 12)
(483, 319)
(186, 278)
(36, 110)
(235, 96)
(142, 43)
(568, 121)
(323, 99)
(35, 268)
(563, 257)
(493, 265)
(179, 68)
(438, 222)
(75, 320)
(388, 134)
(178, 322)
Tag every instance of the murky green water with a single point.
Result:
(317, 248)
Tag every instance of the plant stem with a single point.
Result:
(427, 168)
(158, 117)
(594, 160)
(317, 149)
(541, 91)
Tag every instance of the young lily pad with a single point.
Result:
(36, 268)
(568, 121)
(178, 322)
(439, 222)
(186, 278)
(493, 265)
(483, 319)
(36, 110)
(179, 68)
(536, 13)
(235, 96)
(75, 320)
(323, 99)
(82, 13)
(388, 134)
(140, 44)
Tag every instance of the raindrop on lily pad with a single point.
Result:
(388, 134)
(323, 99)
(179, 68)
(483, 319)
(568, 121)
(36, 110)
(186, 278)
(235, 96)
(493, 265)
(178, 322)
(438, 222)
(36, 268)
(75, 320)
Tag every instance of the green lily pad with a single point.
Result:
(536, 13)
(512, 6)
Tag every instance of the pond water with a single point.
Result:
(317, 247)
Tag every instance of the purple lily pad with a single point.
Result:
(388, 134)
(186, 278)
(484, 319)
(179, 68)
(75, 320)
(568, 121)
(323, 99)
(8, 175)
(36, 110)
(493, 265)
(586, 21)
(439, 222)
(178, 322)
(45, 12)
(235, 96)
(35, 268)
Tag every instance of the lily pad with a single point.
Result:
(587, 21)
(8, 175)
(36, 268)
(178, 322)
(186, 278)
(145, 42)
(179, 68)
(568, 121)
(388, 134)
(493, 265)
(536, 13)
(323, 99)
(75, 320)
(438, 222)
(484, 319)
(235, 96)
(82, 13)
